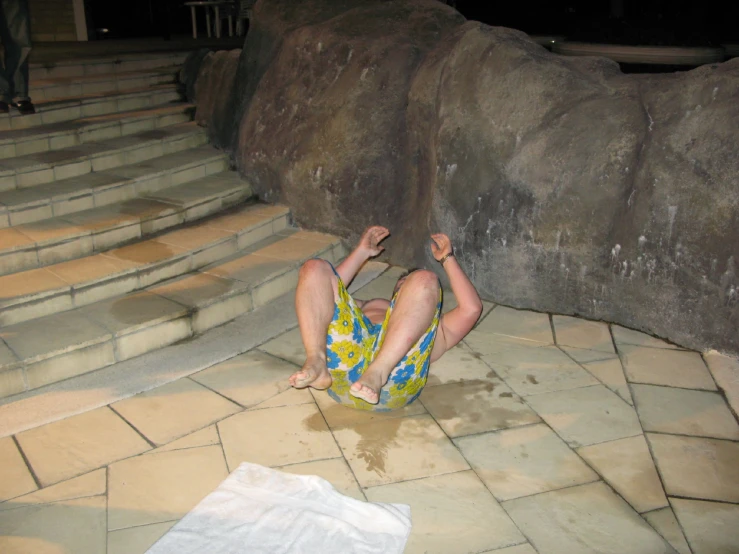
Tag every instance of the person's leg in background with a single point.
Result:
(15, 33)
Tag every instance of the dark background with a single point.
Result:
(646, 22)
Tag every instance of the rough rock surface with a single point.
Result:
(565, 185)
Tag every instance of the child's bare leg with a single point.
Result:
(315, 300)
(412, 315)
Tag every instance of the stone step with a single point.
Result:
(60, 239)
(100, 188)
(89, 105)
(46, 167)
(119, 63)
(61, 346)
(57, 88)
(35, 293)
(56, 136)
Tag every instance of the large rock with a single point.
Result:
(572, 188)
(565, 185)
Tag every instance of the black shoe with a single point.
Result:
(4, 107)
(25, 107)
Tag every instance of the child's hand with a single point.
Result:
(371, 239)
(440, 246)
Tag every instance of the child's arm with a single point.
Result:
(455, 324)
(368, 247)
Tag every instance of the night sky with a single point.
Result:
(649, 22)
(654, 22)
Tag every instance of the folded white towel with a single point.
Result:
(258, 510)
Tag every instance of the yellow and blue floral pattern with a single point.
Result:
(352, 343)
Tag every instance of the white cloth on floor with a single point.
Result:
(258, 510)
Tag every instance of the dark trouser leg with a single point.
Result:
(15, 33)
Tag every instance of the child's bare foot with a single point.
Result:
(313, 374)
(368, 386)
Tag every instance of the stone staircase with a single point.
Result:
(121, 230)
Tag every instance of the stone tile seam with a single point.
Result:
(27, 462)
(241, 407)
(686, 436)
(554, 331)
(107, 505)
(719, 389)
(22, 506)
(630, 382)
(151, 444)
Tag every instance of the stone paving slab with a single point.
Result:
(610, 373)
(627, 466)
(166, 413)
(524, 461)
(89, 484)
(685, 412)
(398, 449)
(296, 434)
(585, 519)
(665, 523)
(73, 446)
(460, 364)
(530, 371)
(581, 333)
(710, 527)
(623, 336)
(520, 324)
(448, 507)
(725, 371)
(67, 526)
(696, 467)
(162, 487)
(249, 379)
(668, 367)
(586, 415)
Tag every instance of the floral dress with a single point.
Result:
(352, 343)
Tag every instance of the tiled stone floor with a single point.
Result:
(599, 440)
